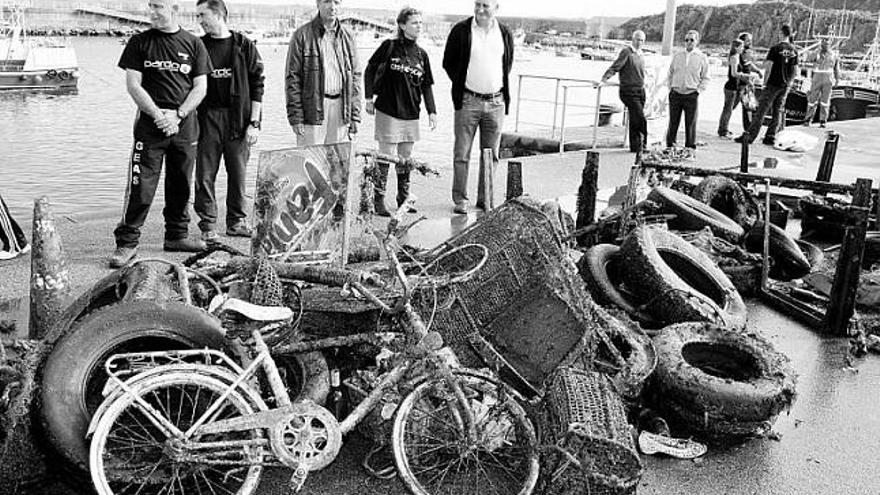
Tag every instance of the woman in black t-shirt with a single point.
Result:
(398, 75)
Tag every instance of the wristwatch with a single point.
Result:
(181, 114)
(255, 124)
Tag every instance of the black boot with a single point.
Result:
(379, 191)
(403, 190)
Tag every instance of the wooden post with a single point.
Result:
(765, 259)
(586, 198)
(50, 278)
(488, 167)
(849, 264)
(744, 153)
(514, 180)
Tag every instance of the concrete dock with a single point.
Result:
(828, 443)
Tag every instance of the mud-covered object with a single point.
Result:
(729, 197)
(526, 311)
(691, 214)
(22, 461)
(822, 217)
(584, 419)
(789, 262)
(720, 383)
(741, 267)
(676, 282)
(73, 375)
(626, 355)
(600, 268)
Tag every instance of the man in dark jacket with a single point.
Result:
(323, 80)
(477, 59)
(630, 65)
(229, 119)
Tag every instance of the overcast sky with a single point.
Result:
(552, 8)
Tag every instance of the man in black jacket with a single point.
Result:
(477, 59)
(229, 118)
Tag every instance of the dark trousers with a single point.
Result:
(679, 103)
(215, 141)
(634, 101)
(151, 148)
(772, 99)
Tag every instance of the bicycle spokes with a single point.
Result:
(140, 458)
(441, 459)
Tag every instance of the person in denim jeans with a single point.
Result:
(737, 77)
(477, 59)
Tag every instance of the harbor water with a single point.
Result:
(74, 147)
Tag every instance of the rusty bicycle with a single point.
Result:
(198, 421)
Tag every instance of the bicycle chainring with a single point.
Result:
(307, 437)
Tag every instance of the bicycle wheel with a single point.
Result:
(434, 455)
(130, 453)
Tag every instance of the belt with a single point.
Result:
(332, 97)
(483, 96)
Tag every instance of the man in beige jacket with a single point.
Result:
(688, 77)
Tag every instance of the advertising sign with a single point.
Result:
(302, 200)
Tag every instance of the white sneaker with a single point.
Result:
(682, 448)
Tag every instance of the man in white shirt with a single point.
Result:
(477, 58)
(688, 77)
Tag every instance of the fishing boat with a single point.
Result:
(856, 90)
(33, 63)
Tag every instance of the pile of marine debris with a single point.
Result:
(668, 334)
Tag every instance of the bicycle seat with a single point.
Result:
(255, 312)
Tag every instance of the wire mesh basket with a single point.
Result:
(593, 451)
(525, 310)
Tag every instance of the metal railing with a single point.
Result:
(562, 110)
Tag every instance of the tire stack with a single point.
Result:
(713, 378)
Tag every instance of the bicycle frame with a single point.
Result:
(236, 383)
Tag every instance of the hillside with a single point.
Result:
(762, 19)
(868, 5)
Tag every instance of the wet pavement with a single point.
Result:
(828, 443)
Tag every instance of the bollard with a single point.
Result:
(50, 278)
(744, 153)
(829, 154)
(586, 198)
(514, 180)
(488, 168)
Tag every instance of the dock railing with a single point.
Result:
(565, 106)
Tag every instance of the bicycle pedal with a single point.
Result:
(298, 479)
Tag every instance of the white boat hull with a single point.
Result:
(66, 78)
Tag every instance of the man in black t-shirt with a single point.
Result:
(229, 119)
(165, 70)
(780, 69)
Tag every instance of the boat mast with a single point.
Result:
(810, 22)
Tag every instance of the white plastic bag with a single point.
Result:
(794, 140)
